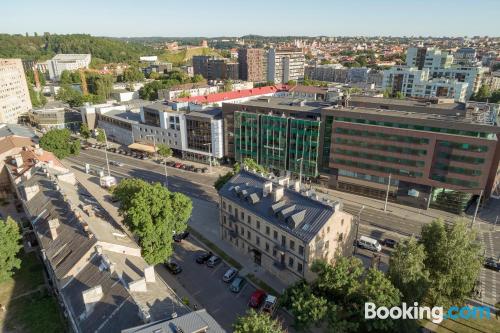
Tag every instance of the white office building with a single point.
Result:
(284, 65)
(14, 95)
(70, 62)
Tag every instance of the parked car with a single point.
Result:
(190, 168)
(178, 165)
(184, 167)
(369, 244)
(173, 267)
(389, 242)
(144, 157)
(203, 257)
(197, 170)
(117, 163)
(179, 237)
(237, 284)
(213, 261)
(257, 298)
(230, 275)
(170, 163)
(270, 304)
(492, 263)
(93, 145)
(204, 170)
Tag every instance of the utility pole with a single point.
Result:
(106, 150)
(477, 208)
(300, 171)
(387, 194)
(166, 178)
(357, 228)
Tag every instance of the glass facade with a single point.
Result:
(377, 157)
(327, 141)
(246, 136)
(304, 145)
(454, 181)
(382, 136)
(463, 146)
(198, 134)
(379, 168)
(274, 138)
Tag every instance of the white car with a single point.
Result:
(120, 164)
(230, 275)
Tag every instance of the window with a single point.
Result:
(242, 216)
(230, 209)
(249, 219)
(235, 212)
(301, 250)
(258, 225)
(275, 235)
(257, 240)
(274, 252)
(223, 204)
(283, 241)
(224, 219)
(242, 231)
(327, 244)
(267, 247)
(290, 262)
(249, 236)
(292, 245)
(327, 230)
(268, 230)
(299, 267)
(342, 222)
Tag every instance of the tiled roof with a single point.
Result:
(11, 142)
(231, 95)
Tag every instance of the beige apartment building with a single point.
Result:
(14, 95)
(282, 228)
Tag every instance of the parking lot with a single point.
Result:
(206, 285)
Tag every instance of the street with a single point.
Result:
(374, 222)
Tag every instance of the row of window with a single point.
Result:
(382, 136)
(454, 181)
(462, 158)
(377, 157)
(463, 146)
(361, 165)
(463, 171)
(389, 148)
(413, 127)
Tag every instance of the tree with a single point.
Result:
(37, 99)
(387, 93)
(197, 78)
(223, 179)
(59, 142)
(257, 322)
(100, 85)
(228, 85)
(164, 150)
(407, 270)
(483, 93)
(132, 74)
(84, 131)
(339, 281)
(153, 214)
(100, 135)
(184, 94)
(292, 83)
(399, 95)
(10, 238)
(306, 307)
(453, 261)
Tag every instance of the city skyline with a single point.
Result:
(363, 18)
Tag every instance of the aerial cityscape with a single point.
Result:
(212, 167)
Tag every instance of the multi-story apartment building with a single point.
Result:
(70, 62)
(212, 68)
(281, 134)
(14, 95)
(426, 150)
(323, 72)
(252, 65)
(200, 65)
(284, 65)
(441, 65)
(284, 229)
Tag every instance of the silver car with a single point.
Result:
(230, 275)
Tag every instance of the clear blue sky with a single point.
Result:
(264, 17)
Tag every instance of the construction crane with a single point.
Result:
(37, 78)
(85, 90)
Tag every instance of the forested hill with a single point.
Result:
(46, 46)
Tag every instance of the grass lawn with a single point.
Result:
(37, 312)
(465, 326)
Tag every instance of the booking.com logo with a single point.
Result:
(435, 314)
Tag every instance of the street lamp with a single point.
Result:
(106, 149)
(387, 193)
(300, 171)
(357, 227)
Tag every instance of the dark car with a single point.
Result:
(389, 243)
(204, 170)
(173, 267)
(203, 257)
(179, 237)
(492, 263)
(257, 298)
(197, 170)
(170, 163)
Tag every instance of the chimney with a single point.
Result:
(53, 225)
(91, 297)
(267, 189)
(38, 151)
(138, 285)
(278, 193)
(149, 274)
(27, 174)
(98, 249)
(17, 160)
(284, 181)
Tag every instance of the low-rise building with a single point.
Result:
(70, 62)
(55, 115)
(282, 228)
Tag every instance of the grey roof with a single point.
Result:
(115, 311)
(285, 103)
(215, 113)
(127, 116)
(14, 129)
(402, 104)
(194, 322)
(295, 213)
(72, 242)
(160, 106)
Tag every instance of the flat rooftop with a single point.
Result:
(286, 103)
(127, 116)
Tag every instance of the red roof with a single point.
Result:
(225, 96)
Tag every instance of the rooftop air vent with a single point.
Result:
(253, 198)
(297, 218)
(277, 207)
(284, 213)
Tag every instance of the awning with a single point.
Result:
(142, 147)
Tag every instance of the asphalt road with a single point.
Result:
(374, 223)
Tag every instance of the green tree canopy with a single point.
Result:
(100, 135)
(132, 74)
(10, 238)
(257, 322)
(153, 214)
(84, 131)
(164, 150)
(59, 142)
(197, 78)
(338, 281)
(228, 85)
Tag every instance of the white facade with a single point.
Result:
(14, 95)
(285, 65)
(70, 62)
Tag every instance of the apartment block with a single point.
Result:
(281, 134)
(70, 62)
(212, 68)
(281, 227)
(285, 65)
(14, 95)
(252, 65)
(428, 151)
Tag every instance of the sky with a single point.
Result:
(212, 18)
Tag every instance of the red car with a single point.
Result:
(178, 165)
(257, 298)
